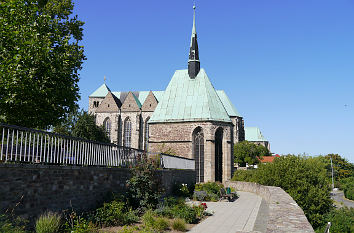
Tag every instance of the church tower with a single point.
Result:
(193, 61)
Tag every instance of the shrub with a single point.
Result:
(209, 191)
(188, 213)
(114, 214)
(244, 175)
(77, 224)
(179, 225)
(342, 221)
(149, 218)
(7, 226)
(161, 224)
(347, 184)
(48, 223)
(303, 178)
(144, 188)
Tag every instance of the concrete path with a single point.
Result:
(231, 217)
(338, 196)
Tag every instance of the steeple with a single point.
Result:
(193, 61)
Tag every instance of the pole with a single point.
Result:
(332, 173)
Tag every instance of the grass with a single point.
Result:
(179, 224)
(48, 223)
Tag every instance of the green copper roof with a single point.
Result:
(102, 91)
(158, 95)
(230, 108)
(187, 99)
(253, 134)
(137, 100)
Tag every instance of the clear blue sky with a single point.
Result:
(288, 66)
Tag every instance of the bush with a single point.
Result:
(7, 226)
(186, 212)
(144, 188)
(342, 221)
(179, 225)
(114, 214)
(209, 191)
(303, 178)
(244, 175)
(48, 223)
(77, 224)
(149, 218)
(161, 224)
(347, 184)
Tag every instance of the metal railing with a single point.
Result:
(24, 145)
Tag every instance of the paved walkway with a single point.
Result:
(338, 196)
(231, 217)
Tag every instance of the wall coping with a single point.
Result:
(284, 213)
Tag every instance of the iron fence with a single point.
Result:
(24, 145)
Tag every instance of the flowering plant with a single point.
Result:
(204, 205)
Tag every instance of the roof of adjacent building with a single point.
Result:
(268, 159)
(187, 99)
(253, 134)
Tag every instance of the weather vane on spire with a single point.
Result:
(104, 78)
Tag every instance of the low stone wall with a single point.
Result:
(34, 189)
(284, 214)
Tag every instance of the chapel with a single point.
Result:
(190, 118)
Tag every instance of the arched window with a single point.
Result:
(107, 125)
(198, 153)
(119, 133)
(146, 138)
(127, 132)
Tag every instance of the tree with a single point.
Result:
(248, 152)
(40, 58)
(341, 167)
(85, 127)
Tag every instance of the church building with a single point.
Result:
(190, 117)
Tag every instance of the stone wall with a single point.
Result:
(284, 214)
(38, 188)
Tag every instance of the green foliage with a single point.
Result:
(347, 184)
(114, 214)
(212, 190)
(161, 224)
(6, 226)
(144, 187)
(179, 224)
(244, 175)
(40, 61)
(247, 152)
(75, 223)
(150, 220)
(85, 127)
(303, 178)
(341, 167)
(48, 223)
(342, 221)
(182, 190)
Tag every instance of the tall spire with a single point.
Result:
(193, 61)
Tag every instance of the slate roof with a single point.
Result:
(187, 99)
(253, 134)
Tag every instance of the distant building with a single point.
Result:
(190, 118)
(268, 159)
(253, 134)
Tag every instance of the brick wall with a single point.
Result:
(38, 188)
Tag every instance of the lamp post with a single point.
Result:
(332, 174)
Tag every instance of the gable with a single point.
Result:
(150, 103)
(131, 103)
(109, 104)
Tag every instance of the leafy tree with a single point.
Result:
(303, 178)
(40, 58)
(248, 152)
(341, 167)
(85, 127)
(342, 221)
